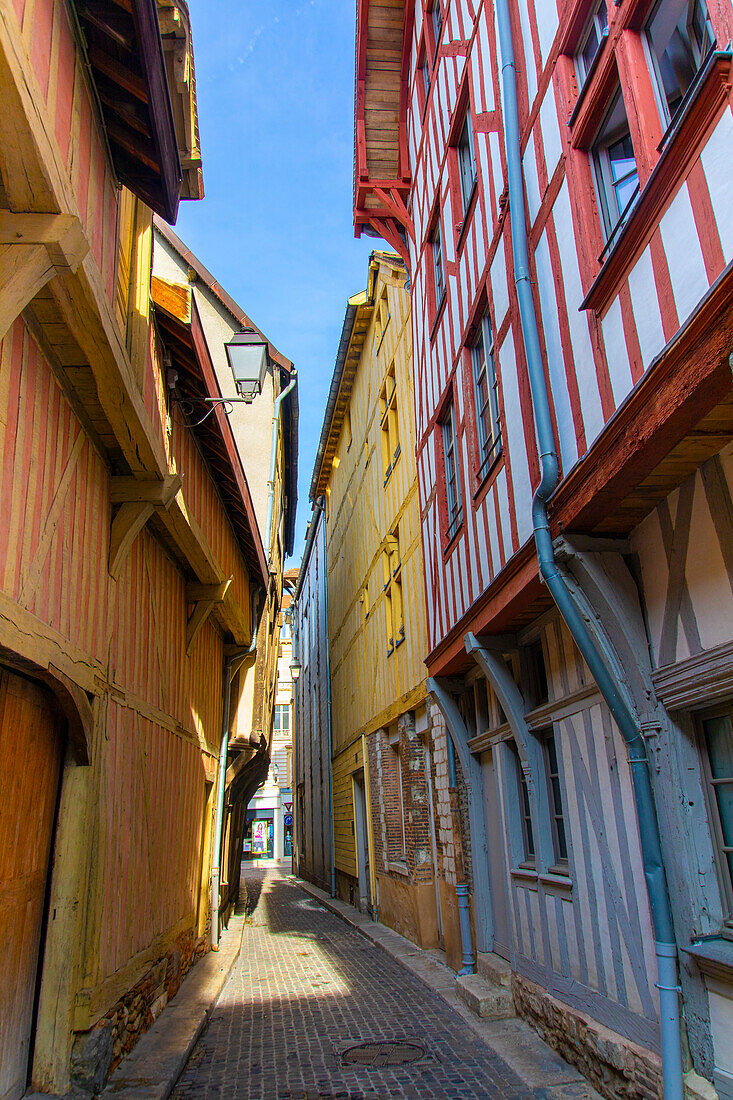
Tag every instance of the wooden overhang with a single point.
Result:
(353, 334)
(182, 333)
(125, 55)
(175, 31)
(381, 159)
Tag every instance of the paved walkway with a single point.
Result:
(307, 987)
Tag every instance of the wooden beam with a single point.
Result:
(126, 526)
(62, 235)
(24, 271)
(204, 598)
(139, 499)
(126, 490)
(215, 593)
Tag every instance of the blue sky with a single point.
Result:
(275, 83)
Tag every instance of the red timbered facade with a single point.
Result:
(625, 129)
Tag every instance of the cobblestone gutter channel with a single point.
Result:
(305, 989)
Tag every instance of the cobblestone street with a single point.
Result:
(307, 987)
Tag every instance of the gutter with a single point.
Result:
(591, 648)
(273, 459)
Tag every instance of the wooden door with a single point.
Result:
(30, 766)
(497, 865)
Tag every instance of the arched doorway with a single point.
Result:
(31, 754)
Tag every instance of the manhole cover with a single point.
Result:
(384, 1053)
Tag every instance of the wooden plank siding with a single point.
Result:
(68, 114)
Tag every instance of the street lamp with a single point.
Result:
(247, 356)
(295, 667)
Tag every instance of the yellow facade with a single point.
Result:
(376, 609)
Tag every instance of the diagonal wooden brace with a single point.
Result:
(204, 598)
(33, 249)
(138, 500)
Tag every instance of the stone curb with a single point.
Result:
(514, 1040)
(152, 1069)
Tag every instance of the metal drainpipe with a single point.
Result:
(219, 818)
(273, 458)
(294, 650)
(322, 510)
(659, 901)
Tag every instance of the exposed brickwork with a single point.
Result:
(305, 987)
(618, 1068)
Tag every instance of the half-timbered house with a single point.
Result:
(130, 550)
(556, 177)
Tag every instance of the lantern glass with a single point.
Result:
(247, 355)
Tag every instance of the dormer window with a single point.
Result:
(591, 41)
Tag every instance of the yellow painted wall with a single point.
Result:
(370, 688)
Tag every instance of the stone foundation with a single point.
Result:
(616, 1067)
(98, 1051)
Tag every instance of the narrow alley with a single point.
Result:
(307, 990)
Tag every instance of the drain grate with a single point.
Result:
(386, 1052)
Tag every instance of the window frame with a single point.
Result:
(699, 57)
(466, 157)
(584, 70)
(437, 253)
(491, 448)
(449, 437)
(392, 586)
(605, 185)
(524, 802)
(556, 806)
(437, 24)
(389, 423)
(722, 864)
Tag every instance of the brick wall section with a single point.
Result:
(387, 819)
(451, 809)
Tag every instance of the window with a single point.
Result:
(364, 599)
(347, 429)
(393, 793)
(452, 480)
(436, 14)
(557, 817)
(391, 448)
(466, 161)
(286, 632)
(282, 718)
(717, 732)
(392, 569)
(383, 316)
(614, 164)
(486, 397)
(436, 244)
(680, 36)
(524, 810)
(590, 42)
(425, 77)
(538, 686)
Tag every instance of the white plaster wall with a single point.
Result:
(251, 424)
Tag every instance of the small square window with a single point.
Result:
(591, 41)
(680, 36)
(614, 164)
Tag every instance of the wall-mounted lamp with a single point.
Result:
(247, 355)
(295, 667)
(275, 773)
